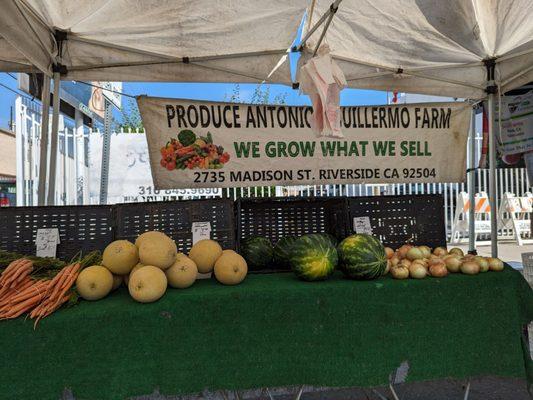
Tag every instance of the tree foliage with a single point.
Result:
(260, 95)
(130, 118)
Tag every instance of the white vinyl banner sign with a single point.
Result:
(201, 144)
(516, 123)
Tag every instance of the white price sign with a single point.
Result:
(46, 242)
(362, 225)
(200, 231)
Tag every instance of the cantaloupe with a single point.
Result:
(147, 284)
(94, 282)
(127, 277)
(205, 253)
(150, 235)
(182, 273)
(120, 257)
(230, 268)
(158, 251)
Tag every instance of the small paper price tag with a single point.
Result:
(200, 231)
(46, 242)
(362, 225)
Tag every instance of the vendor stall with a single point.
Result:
(246, 327)
(373, 286)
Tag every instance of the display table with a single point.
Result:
(272, 330)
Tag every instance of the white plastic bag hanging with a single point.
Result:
(322, 80)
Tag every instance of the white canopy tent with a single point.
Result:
(458, 48)
(430, 46)
(150, 40)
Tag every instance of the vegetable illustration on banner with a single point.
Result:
(196, 144)
(189, 151)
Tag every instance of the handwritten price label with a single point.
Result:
(200, 231)
(362, 225)
(46, 242)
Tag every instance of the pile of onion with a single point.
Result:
(418, 262)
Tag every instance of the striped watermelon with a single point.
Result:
(282, 251)
(362, 257)
(331, 238)
(313, 258)
(257, 251)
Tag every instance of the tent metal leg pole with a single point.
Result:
(43, 159)
(54, 141)
(106, 149)
(471, 186)
(492, 179)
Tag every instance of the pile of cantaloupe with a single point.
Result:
(153, 263)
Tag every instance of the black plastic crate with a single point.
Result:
(396, 220)
(84, 228)
(175, 219)
(277, 217)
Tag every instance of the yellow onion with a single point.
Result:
(414, 253)
(457, 251)
(434, 261)
(482, 262)
(453, 263)
(394, 261)
(417, 271)
(402, 251)
(470, 268)
(426, 251)
(400, 272)
(389, 252)
(440, 251)
(495, 264)
(433, 257)
(405, 262)
(422, 261)
(438, 270)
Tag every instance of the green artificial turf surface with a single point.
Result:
(272, 330)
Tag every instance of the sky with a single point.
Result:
(198, 91)
(7, 99)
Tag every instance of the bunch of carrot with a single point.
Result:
(57, 292)
(20, 294)
(15, 278)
